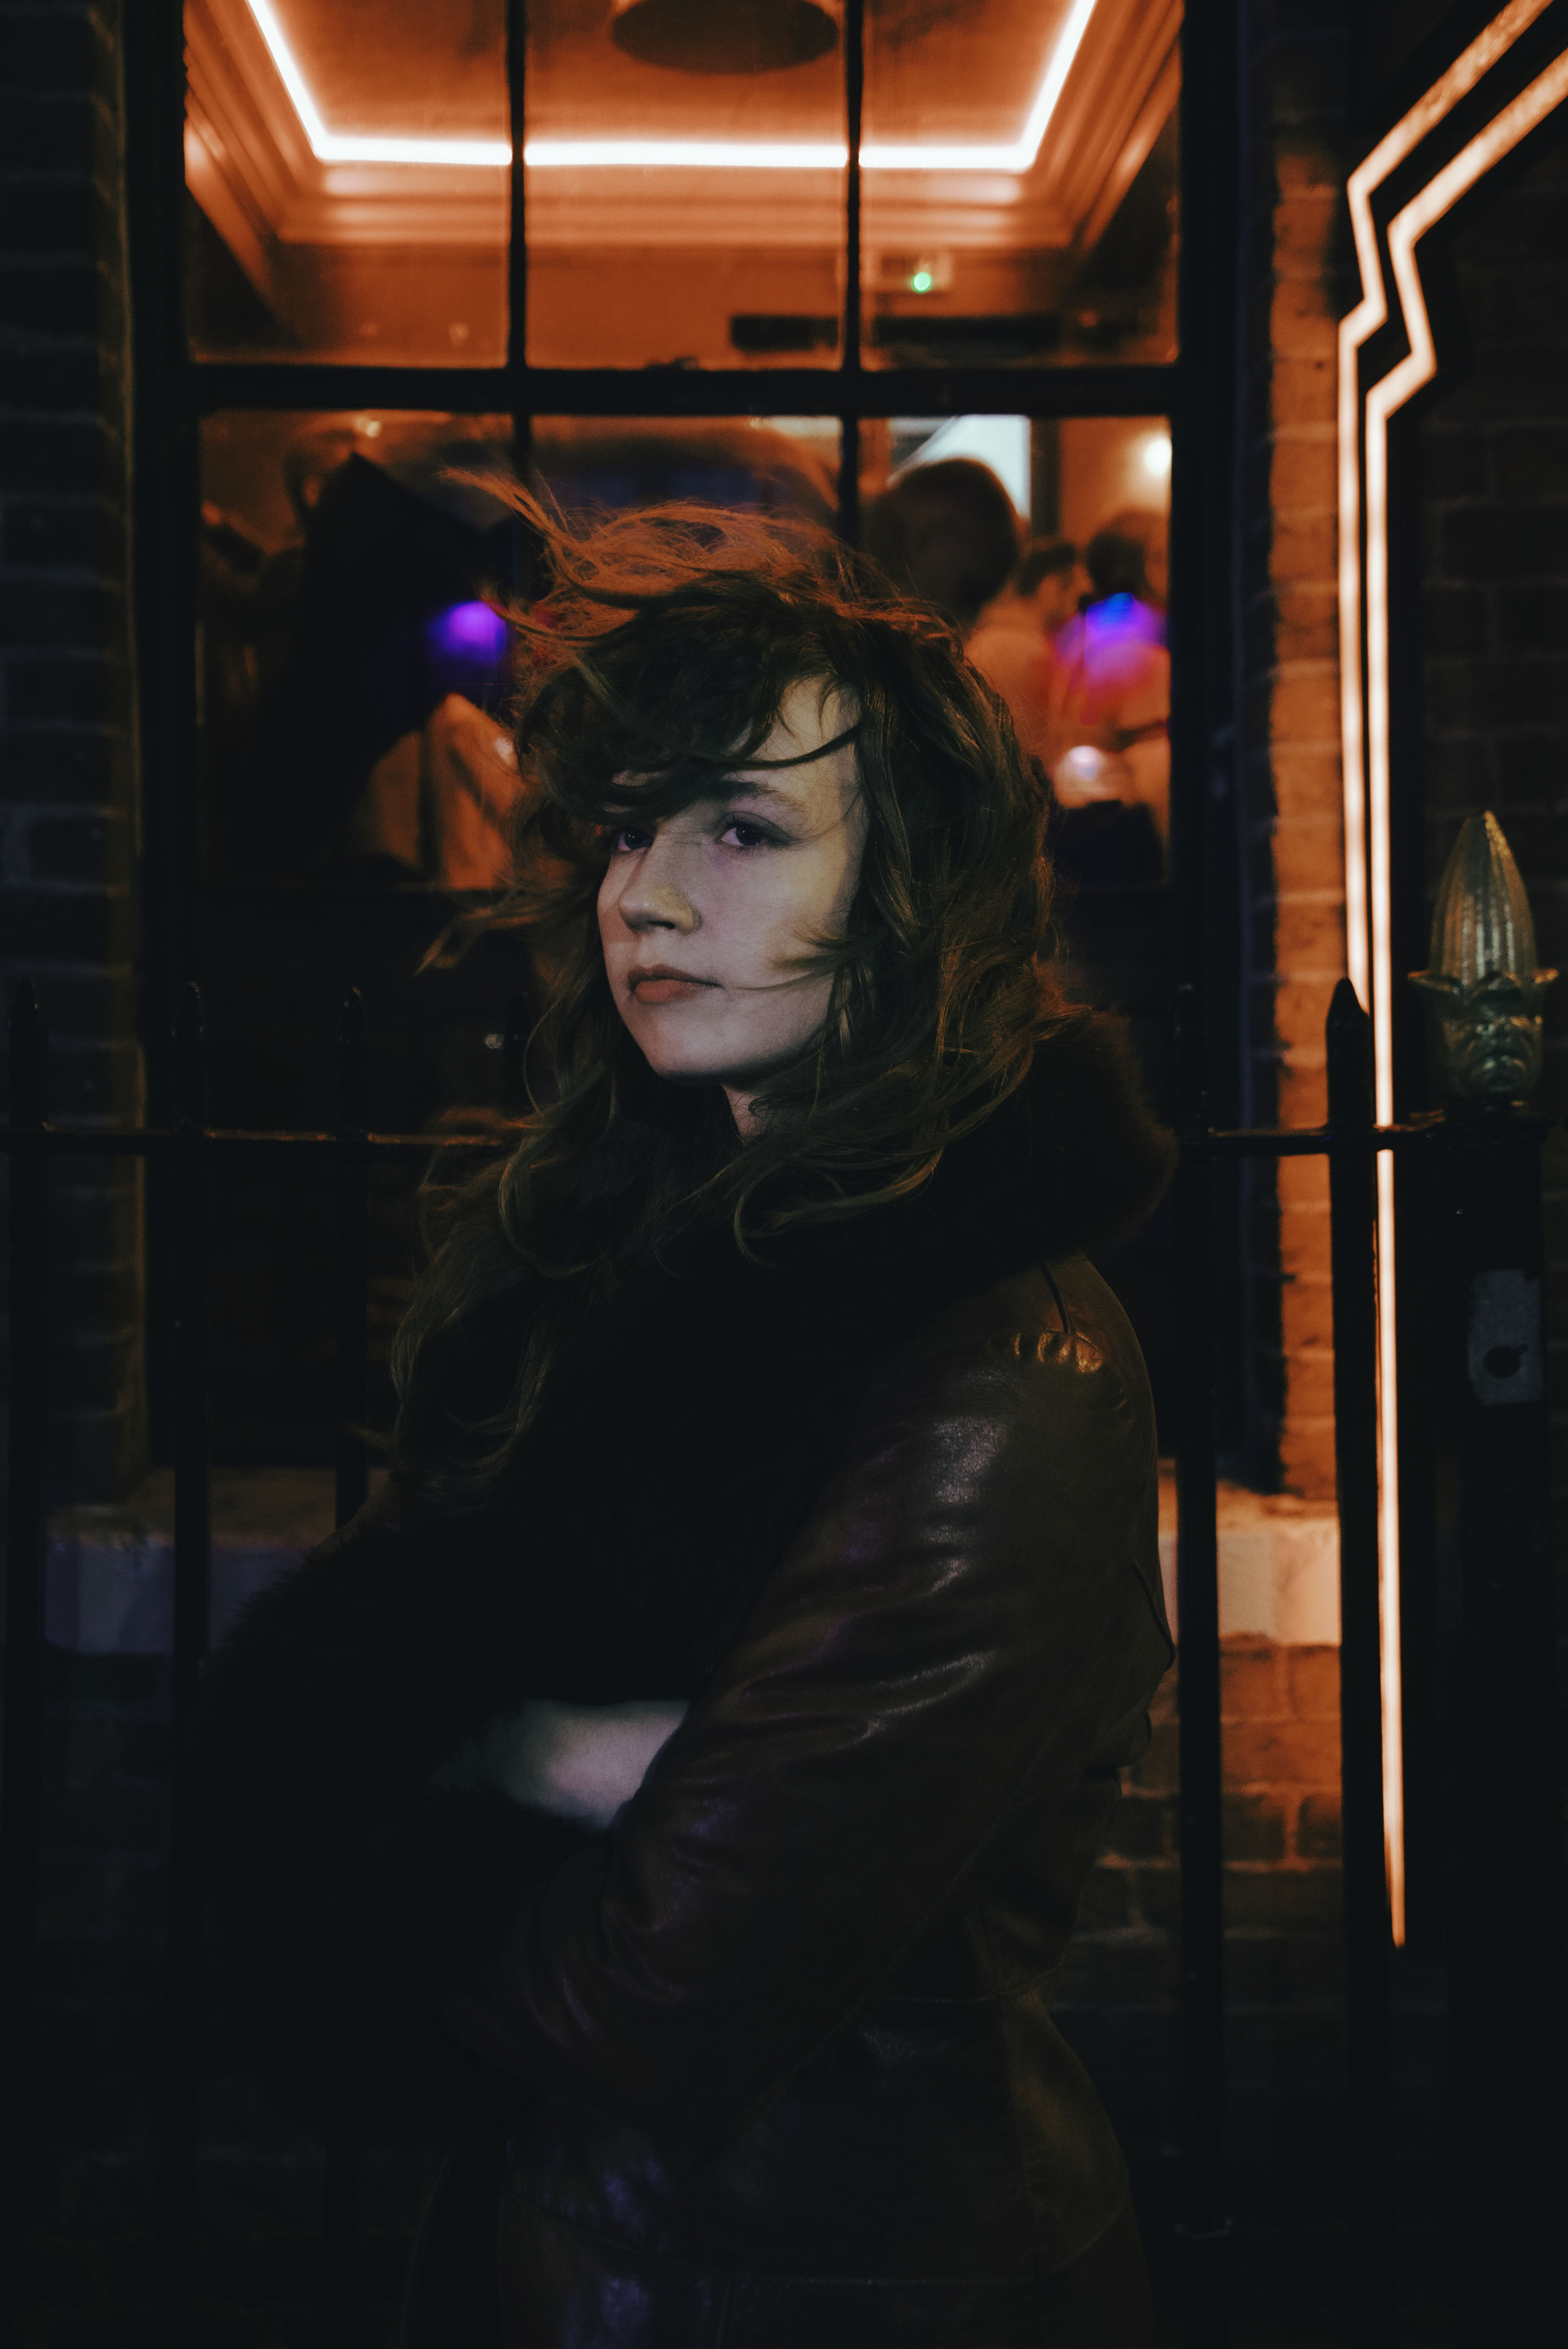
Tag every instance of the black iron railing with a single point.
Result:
(190, 1150)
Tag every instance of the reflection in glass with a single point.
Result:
(1020, 181)
(686, 203)
(347, 162)
(356, 673)
(768, 465)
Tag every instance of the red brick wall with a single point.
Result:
(1292, 772)
(1286, 2114)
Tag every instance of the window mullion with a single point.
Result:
(517, 235)
(850, 350)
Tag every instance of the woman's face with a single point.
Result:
(706, 915)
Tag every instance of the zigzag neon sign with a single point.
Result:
(1364, 418)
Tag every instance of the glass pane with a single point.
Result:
(1045, 542)
(354, 676)
(344, 579)
(1019, 182)
(757, 464)
(685, 184)
(358, 776)
(347, 167)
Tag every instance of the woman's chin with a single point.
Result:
(696, 1068)
(685, 1068)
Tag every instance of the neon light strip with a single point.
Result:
(1371, 313)
(1366, 722)
(641, 154)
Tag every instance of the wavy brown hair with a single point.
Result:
(654, 668)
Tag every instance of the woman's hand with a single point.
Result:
(580, 1761)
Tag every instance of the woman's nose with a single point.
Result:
(654, 900)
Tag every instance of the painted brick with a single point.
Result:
(1314, 1677)
(1498, 694)
(56, 296)
(1252, 1680)
(1531, 619)
(1310, 1379)
(1255, 1829)
(1309, 934)
(37, 612)
(51, 378)
(47, 217)
(1304, 548)
(64, 765)
(1317, 1827)
(48, 50)
(1307, 621)
(1531, 461)
(82, 689)
(1140, 1830)
(1456, 462)
(67, 454)
(1301, 389)
(1281, 1753)
(73, 534)
(1495, 541)
(1288, 1902)
(1303, 471)
(58, 133)
(80, 848)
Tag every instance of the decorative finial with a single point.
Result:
(1484, 986)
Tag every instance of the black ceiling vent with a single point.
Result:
(725, 36)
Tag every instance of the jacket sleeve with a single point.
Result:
(954, 1632)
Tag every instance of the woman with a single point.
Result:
(689, 1773)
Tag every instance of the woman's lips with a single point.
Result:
(666, 986)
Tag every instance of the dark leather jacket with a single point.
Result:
(883, 1507)
(793, 2022)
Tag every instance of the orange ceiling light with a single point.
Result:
(641, 154)
(1364, 417)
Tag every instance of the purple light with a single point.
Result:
(1123, 620)
(469, 633)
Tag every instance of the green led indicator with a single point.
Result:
(922, 282)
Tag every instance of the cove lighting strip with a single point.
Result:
(641, 154)
(1365, 714)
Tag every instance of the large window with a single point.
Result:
(906, 269)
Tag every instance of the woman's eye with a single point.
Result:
(630, 839)
(747, 835)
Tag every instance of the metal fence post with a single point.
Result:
(192, 1549)
(340, 2193)
(853, 39)
(26, 1535)
(1503, 1921)
(1205, 2226)
(1352, 1188)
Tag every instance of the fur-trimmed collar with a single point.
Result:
(681, 1449)
(663, 1481)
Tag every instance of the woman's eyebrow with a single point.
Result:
(744, 787)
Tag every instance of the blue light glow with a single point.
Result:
(469, 632)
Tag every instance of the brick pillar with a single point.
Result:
(1295, 77)
(68, 774)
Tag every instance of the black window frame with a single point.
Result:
(1197, 392)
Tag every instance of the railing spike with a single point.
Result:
(1347, 1038)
